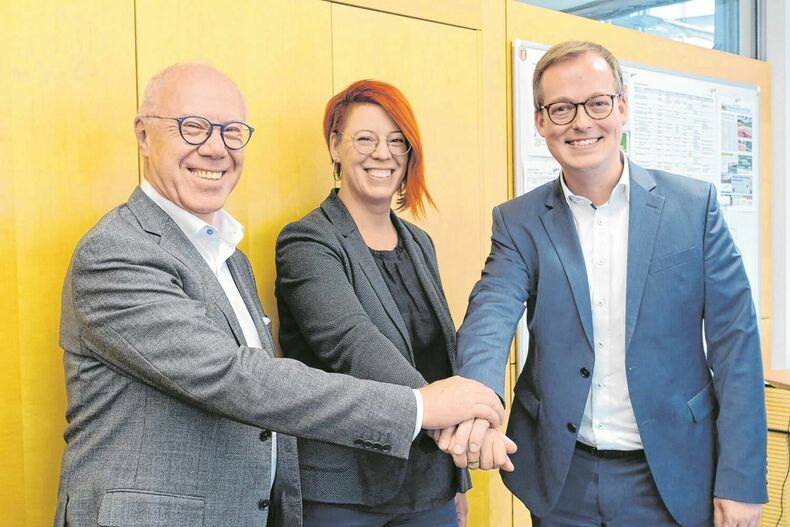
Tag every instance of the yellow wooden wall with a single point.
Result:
(73, 72)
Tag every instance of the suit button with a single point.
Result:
(359, 442)
(266, 435)
(386, 448)
(263, 504)
(377, 446)
(368, 444)
(571, 428)
(584, 372)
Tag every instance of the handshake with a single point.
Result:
(463, 417)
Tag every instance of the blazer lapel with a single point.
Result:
(643, 219)
(431, 287)
(356, 246)
(558, 222)
(245, 283)
(173, 240)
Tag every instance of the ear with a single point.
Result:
(540, 122)
(141, 133)
(622, 108)
(334, 151)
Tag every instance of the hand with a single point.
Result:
(728, 513)
(450, 401)
(493, 453)
(461, 509)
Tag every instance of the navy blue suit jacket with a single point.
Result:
(701, 417)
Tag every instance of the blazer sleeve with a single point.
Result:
(312, 281)
(128, 301)
(495, 306)
(734, 356)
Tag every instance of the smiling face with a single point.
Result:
(587, 149)
(368, 180)
(200, 178)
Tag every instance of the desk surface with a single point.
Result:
(778, 378)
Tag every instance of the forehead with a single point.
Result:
(583, 75)
(202, 92)
(367, 116)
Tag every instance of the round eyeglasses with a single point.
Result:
(366, 142)
(597, 107)
(196, 130)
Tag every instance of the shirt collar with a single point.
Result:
(230, 231)
(620, 189)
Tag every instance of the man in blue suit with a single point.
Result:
(621, 417)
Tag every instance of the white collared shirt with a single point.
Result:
(608, 422)
(216, 243)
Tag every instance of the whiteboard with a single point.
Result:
(695, 126)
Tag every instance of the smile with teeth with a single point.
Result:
(584, 142)
(380, 173)
(206, 174)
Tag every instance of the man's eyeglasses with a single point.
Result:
(597, 107)
(366, 143)
(196, 130)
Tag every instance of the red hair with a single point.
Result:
(392, 101)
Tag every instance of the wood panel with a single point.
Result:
(280, 55)
(69, 142)
(778, 407)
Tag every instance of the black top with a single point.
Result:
(427, 341)
(430, 475)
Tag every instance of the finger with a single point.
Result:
(445, 436)
(504, 447)
(479, 429)
(510, 445)
(487, 452)
(460, 460)
(484, 411)
(461, 437)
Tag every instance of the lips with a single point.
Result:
(206, 174)
(583, 142)
(379, 173)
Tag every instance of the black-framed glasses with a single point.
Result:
(597, 107)
(366, 142)
(196, 130)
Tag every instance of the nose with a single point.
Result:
(214, 147)
(382, 150)
(581, 120)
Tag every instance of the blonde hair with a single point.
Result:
(568, 50)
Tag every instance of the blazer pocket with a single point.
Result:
(672, 260)
(703, 404)
(530, 403)
(122, 507)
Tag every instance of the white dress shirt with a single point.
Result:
(608, 422)
(216, 243)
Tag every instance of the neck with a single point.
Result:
(597, 186)
(373, 222)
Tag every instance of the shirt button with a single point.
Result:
(263, 504)
(266, 435)
(210, 231)
(571, 428)
(601, 302)
(601, 261)
(599, 344)
(599, 426)
(584, 372)
(600, 222)
(599, 385)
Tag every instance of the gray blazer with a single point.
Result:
(169, 411)
(336, 313)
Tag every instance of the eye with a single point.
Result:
(365, 138)
(399, 141)
(561, 107)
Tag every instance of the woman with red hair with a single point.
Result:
(358, 292)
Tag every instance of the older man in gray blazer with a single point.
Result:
(175, 400)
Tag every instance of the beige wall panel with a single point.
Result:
(279, 52)
(463, 13)
(550, 27)
(436, 67)
(71, 154)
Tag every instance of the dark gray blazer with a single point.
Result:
(169, 410)
(337, 314)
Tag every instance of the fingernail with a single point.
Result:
(458, 449)
(473, 447)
